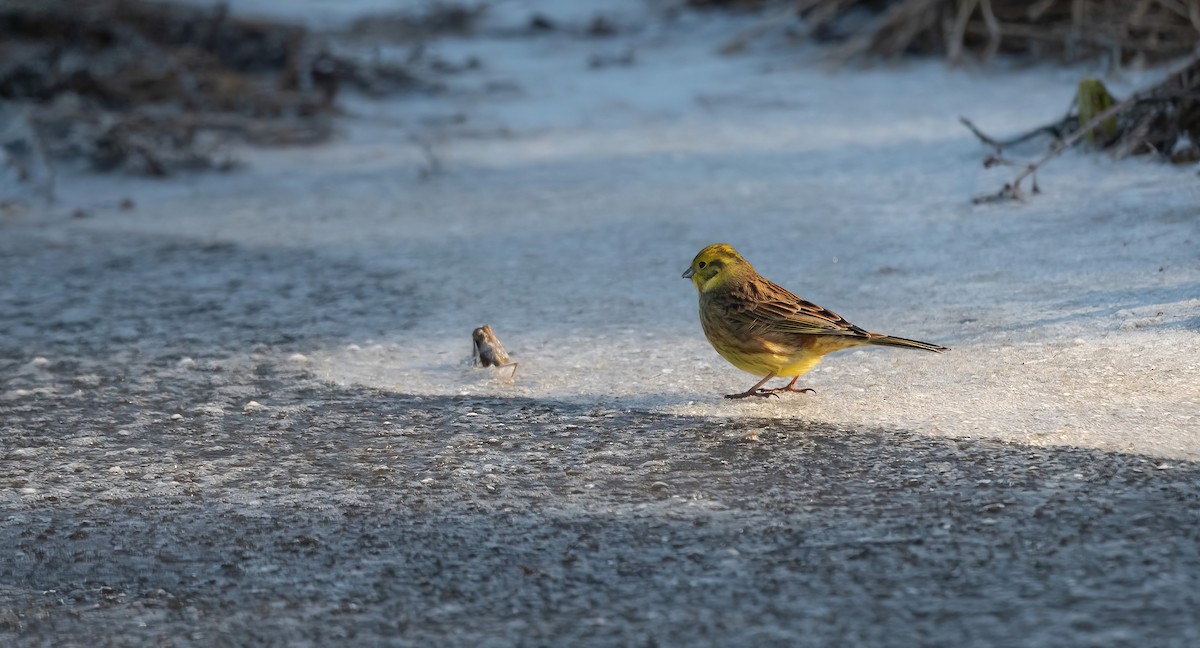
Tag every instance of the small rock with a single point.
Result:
(253, 406)
(186, 363)
(177, 417)
(28, 491)
(210, 409)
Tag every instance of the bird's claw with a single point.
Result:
(761, 393)
(798, 390)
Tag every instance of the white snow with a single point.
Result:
(570, 206)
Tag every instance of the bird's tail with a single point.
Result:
(887, 340)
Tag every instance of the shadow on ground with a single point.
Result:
(367, 516)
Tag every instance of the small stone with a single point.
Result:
(28, 491)
(177, 417)
(253, 406)
(186, 363)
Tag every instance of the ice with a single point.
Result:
(569, 208)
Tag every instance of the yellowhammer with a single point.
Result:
(765, 330)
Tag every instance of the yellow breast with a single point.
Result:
(758, 355)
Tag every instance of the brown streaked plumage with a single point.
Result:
(763, 329)
(489, 352)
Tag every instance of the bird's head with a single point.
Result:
(715, 266)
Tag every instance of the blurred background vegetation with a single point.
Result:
(157, 87)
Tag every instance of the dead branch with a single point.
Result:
(1171, 95)
(1072, 30)
(1012, 190)
(784, 15)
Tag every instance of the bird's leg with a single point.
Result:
(755, 391)
(790, 388)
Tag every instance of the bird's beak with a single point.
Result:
(687, 274)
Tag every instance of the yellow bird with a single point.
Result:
(763, 329)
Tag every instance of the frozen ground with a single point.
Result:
(241, 412)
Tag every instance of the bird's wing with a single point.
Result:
(767, 307)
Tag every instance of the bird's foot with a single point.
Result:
(789, 388)
(761, 393)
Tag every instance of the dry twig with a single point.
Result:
(1149, 30)
(1173, 104)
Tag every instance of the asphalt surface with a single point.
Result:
(229, 497)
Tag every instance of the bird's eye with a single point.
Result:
(701, 264)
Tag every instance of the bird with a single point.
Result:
(763, 329)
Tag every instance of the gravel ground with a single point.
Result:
(230, 498)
